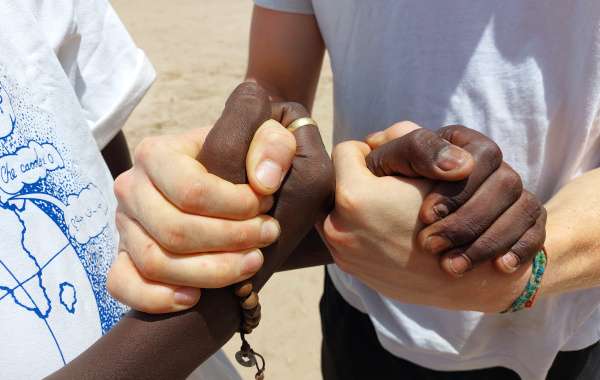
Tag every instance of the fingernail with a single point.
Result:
(511, 262)
(459, 265)
(269, 174)
(186, 296)
(269, 231)
(441, 210)
(252, 262)
(436, 244)
(451, 157)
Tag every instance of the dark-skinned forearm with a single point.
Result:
(116, 155)
(311, 252)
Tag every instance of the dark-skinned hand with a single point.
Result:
(486, 216)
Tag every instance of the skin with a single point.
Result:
(116, 155)
(177, 343)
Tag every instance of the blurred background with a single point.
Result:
(199, 50)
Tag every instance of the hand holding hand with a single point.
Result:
(372, 234)
(183, 228)
(485, 216)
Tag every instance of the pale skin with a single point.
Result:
(184, 229)
(163, 260)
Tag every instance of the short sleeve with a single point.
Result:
(292, 6)
(109, 73)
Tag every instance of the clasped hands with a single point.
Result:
(434, 218)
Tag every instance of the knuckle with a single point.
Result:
(416, 139)
(347, 199)
(279, 139)
(120, 222)
(246, 206)
(490, 155)
(249, 205)
(543, 218)
(246, 235)
(510, 182)
(453, 202)
(486, 247)
(525, 248)
(532, 208)
(224, 274)
(194, 197)
(342, 147)
(295, 110)
(146, 149)
(151, 261)
(173, 237)
(336, 238)
(452, 194)
(460, 232)
(153, 304)
(333, 234)
(112, 283)
(121, 185)
(448, 131)
(218, 273)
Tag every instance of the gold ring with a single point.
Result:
(302, 122)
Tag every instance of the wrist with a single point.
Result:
(506, 291)
(559, 240)
(487, 290)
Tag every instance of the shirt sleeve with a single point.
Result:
(109, 73)
(292, 6)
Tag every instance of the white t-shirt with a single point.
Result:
(69, 77)
(525, 73)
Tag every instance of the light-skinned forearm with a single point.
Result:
(286, 55)
(573, 236)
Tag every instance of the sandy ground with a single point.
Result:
(199, 50)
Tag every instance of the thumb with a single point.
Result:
(421, 153)
(270, 157)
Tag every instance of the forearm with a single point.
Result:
(286, 55)
(116, 155)
(311, 252)
(572, 243)
(573, 236)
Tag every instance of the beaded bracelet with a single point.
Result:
(527, 297)
(250, 319)
(249, 302)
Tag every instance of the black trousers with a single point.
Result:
(350, 350)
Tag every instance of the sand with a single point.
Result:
(199, 49)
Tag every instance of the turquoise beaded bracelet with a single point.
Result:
(526, 299)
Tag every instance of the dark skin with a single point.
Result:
(116, 155)
(144, 346)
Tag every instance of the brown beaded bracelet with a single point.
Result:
(250, 318)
